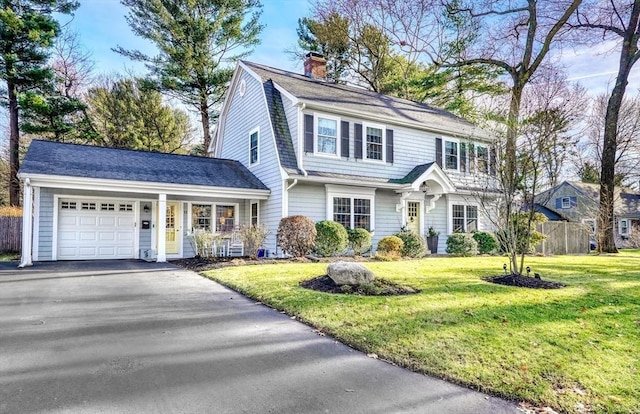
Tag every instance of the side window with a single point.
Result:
(253, 147)
(374, 143)
(254, 214)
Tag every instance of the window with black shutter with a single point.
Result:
(390, 145)
(357, 151)
(439, 151)
(308, 133)
(344, 133)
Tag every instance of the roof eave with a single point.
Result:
(141, 187)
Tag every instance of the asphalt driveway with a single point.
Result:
(136, 337)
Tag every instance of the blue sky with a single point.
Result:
(101, 26)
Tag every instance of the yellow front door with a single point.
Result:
(172, 228)
(413, 216)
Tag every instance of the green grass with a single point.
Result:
(573, 349)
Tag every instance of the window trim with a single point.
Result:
(351, 193)
(383, 129)
(255, 130)
(562, 204)
(627, 224)
(257, 204)
(444, 153)
(466, 205)
(337, 120)
(477, 158)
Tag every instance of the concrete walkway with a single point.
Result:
(136, 337)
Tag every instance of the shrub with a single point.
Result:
(390, 245)
(253, 237)
(520, 221)
(331, 238)
(487, 242)
(414, 244)
(462, 244)
(359, 240)
(296, 235)
(202, 242)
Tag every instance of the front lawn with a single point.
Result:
(574, 349)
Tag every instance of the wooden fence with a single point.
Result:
(563, 237)
(10, 234)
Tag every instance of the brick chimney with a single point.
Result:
(315, 66)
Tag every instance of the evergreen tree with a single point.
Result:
(195, 41)
(27, 30)
(128, 113)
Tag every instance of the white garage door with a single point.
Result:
(95, 229)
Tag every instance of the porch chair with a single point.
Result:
(236, 246)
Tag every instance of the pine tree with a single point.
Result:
(195, 41)
(27, 30)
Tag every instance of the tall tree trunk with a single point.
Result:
(628, 56)
(14, 146)
(206, 128)
(511, 170)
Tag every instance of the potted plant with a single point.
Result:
(432, 240)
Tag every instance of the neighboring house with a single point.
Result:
(579, 202)
(335, 152)
(102, 203)
(286, 144)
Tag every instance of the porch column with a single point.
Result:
(27, 221)
(162, 228)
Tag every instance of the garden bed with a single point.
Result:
(379, 287)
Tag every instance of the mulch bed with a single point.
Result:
(524, 281)
(379, 287)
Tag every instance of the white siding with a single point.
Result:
(308, 200)
(243, 115)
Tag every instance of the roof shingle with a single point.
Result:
(60, 159)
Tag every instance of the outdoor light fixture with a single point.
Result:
(424, 188)
(146, 208)
(528, 270)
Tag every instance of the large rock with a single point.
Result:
(347, 273)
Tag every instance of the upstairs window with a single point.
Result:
(451, 155)
(566, 202)
(374, 143)
(482, 159)
(253, 147)
(327, 136)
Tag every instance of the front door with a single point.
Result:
(413, 216)
(172, 228)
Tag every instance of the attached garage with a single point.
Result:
(95, 229)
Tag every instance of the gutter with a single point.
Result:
(301, 141)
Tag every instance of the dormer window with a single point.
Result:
(327, 136)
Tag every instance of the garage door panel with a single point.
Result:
(94, 234)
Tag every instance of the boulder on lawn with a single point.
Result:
(347, 273)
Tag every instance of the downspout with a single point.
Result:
(293, 184)
(301, 141)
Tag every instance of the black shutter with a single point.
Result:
(357, 150)
(390, 145)
(308, 133)
(439, 151)
(344, 136)
(492, 161)
(463, 157)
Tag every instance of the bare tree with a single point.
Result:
(515, 36)
(72, 66)
(588, 160)
(620, 20)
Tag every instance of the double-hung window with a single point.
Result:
(624, 227)
(225, 218)
(464, 218)
(253, 147)
(327, 136)
(350, 207)
(482, 159)
(254, 213)
(216, 217)
(374, 143)
(451, 155)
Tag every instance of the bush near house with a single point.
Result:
(414, 244)
(390, 246)
(462, 244)
(487, 242)
(520, 222)
(296, 235)
(202, 242)
(359, 240)
(331, 238)
(253, 237)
